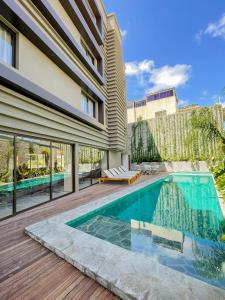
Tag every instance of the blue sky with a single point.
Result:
(173, 42)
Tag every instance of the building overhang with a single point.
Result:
(14, 14)
(96, 27)
(11, 78)
(48, 11)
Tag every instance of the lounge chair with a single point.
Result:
(130, 178)
(124, 171)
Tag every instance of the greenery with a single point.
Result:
(24, 172)
(179, 137)
(203, 122)
(219, 174)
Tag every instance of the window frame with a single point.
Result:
(73, 169)
(88, 53)
(14, 44)
(88, 100)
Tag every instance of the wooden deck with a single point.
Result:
(30, 271)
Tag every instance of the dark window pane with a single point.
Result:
(6, 175)
(99, 163)
(140, 103)
(160, 95)
(32, 172)
(84, 167)
(91, 162)
(61, 169)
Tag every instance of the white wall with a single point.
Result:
(177, 166)
(35, 65)
(114, 159)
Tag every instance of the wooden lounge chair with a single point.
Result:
(130, 178)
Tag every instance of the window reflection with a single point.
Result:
(61, 169)
(91, 162)
(32, 172)
(6, 44)
(43, 171)
(6, 175)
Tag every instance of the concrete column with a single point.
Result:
(114, 159)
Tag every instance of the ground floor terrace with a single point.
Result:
(30, 271)
(34, 170)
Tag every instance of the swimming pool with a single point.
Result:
(177, 221)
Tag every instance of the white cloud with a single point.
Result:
(169, 76)
(138, 68)
(198, 36)
(205, 93)
(216, 29)
(153, 78)
(123, 33)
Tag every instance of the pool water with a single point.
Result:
(177, 221)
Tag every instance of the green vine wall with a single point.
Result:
(167, 138)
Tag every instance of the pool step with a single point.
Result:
(106, 228)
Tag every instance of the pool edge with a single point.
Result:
(75, 247)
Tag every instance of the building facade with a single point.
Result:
(62, 99)
(163, 102)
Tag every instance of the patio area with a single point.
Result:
(30, 271)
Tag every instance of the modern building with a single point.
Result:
(164, 101)
(62, 99)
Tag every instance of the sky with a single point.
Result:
(173, 43)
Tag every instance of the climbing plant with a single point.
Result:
(176, 137)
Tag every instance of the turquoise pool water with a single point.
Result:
(177, 221)
(31, 182)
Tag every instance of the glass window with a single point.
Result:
(43, 171)
(6, 175)
(88, 53)
(32, 172)
(85, 104)
(88, 106)
(91, 108)
(61, 169)
(7, 45)
(99, 163)
(91, 162)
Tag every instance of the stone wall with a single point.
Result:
(175, 166)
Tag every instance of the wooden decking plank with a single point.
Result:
(38, 287)
(28, 271)
(15, 285)
(83, 286)
(65, 287)
(24, 259)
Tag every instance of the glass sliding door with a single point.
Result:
(6, 175)
(33, 172)
(62, 179)
(99, 162)
(91, 162)
(84, 167)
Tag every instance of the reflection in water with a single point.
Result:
(177, 221)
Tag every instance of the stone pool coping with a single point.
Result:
(128, 274)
